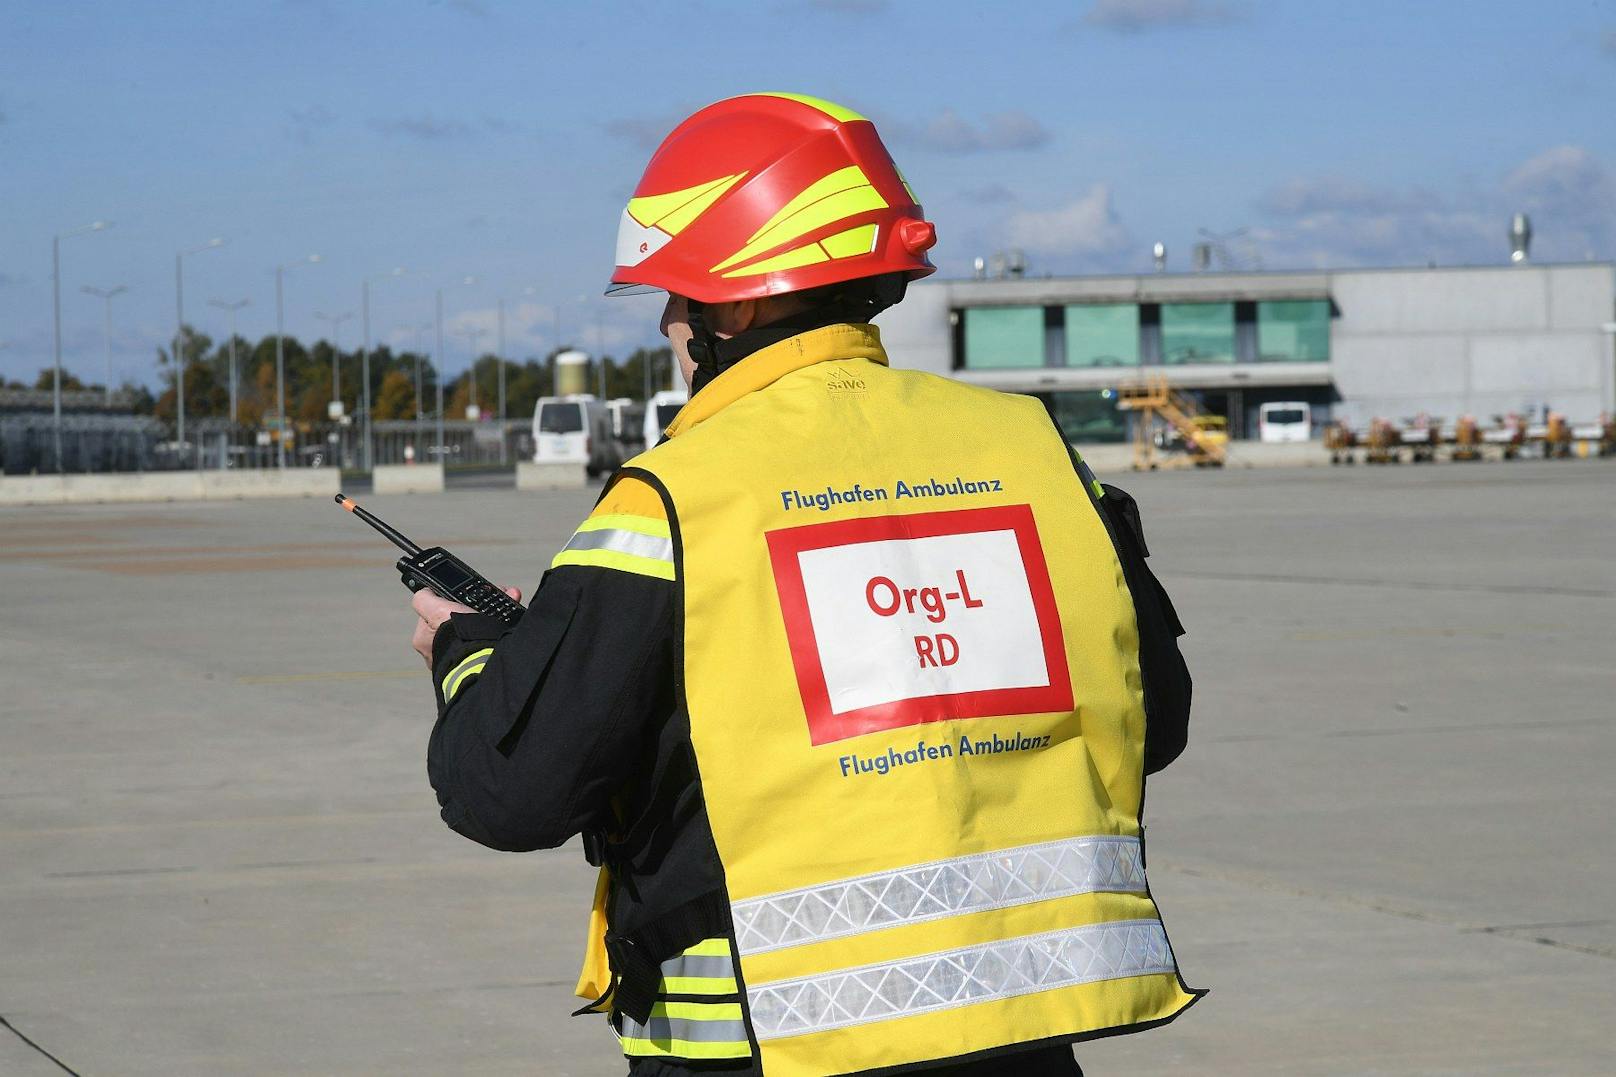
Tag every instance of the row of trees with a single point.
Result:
(393, 375)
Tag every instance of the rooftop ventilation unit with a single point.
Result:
(1520, 238)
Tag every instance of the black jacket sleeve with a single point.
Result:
(528, 752)
(1166, 678)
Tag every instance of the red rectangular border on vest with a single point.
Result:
(825, 726)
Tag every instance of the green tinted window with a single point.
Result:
(998, 337)
(1102, 335)
(1197, 332)
(1293, 331)
(1085, 416)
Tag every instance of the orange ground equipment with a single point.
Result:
(1384, 445)
(1339, 441)
(1178, 418)
(1467, 439)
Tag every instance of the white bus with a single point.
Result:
(659, 412)
(573, 429)
(1284, 420)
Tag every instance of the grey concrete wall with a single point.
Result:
(916, 332)
(1478, 341)
(407, 478)
(549, 476)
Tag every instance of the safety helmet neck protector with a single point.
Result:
(766, 194)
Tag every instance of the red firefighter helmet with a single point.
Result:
(769, 193)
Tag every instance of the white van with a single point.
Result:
(659, 412)
(1284, 420)
(628, 426)
(573, 429)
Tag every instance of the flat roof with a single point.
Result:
(1210, 285)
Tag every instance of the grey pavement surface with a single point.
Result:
(1388, 849)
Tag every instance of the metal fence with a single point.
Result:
(112, 443)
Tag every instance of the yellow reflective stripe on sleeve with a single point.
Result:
(688, 1030)
(639, 544)
(716, 947)
(468, 668)
(640, 525)
(622, 562)
(638, 1046)
(829, 108)
(699, 985)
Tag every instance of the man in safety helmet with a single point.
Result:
(850, 684)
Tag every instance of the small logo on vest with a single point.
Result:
(840, 381)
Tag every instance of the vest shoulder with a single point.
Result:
(631, 496)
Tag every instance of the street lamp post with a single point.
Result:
(56, 318)
(364, 359)
(107, 295)
(280, 356)
(420, 386)
(335, 321)
(472, 337)
(443, 448)
(232, 308)
(179, 335)
(499, 355)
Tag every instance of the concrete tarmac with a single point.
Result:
(1388, 849)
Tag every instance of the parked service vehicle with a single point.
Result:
(573, 429)
(628, 426)
(1286, 420)
(659, 412)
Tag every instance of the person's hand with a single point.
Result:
(431, 610)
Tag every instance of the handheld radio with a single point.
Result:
(446, 574)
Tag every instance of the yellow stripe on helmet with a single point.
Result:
(673, 212)
(843, 193)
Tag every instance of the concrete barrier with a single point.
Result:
(407, 479)
(549, 476)
(1112, 458)
(270, 482)
(166, 486)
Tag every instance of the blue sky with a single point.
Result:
(500, 139)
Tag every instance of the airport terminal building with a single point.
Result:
(1355, 344)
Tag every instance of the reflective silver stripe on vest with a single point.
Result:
(957, 978)
(617, 540)
(941, 888)
(683, 1028)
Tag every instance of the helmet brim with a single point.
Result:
(632, 289)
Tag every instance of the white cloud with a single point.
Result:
(1135, 16)
(1086, 227)
(949, 132)
(1333, 220)
(427, 128)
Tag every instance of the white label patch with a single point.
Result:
(922, 617)
(899, 620)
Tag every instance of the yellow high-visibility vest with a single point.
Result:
(910, 661)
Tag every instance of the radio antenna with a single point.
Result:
(397, 539)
